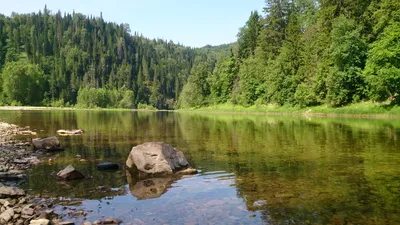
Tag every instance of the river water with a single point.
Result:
(254, 169)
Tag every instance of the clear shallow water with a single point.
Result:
(254, 168)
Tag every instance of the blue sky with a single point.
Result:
(193, 23)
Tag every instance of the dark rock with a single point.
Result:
(70, 173)
(12, 175)
(107, 166)
(155, 159)
(11, 192)
(50, 143)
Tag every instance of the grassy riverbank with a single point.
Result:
(363, 108)
(367, 109)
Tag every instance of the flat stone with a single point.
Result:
(11, 192)
(40, 222)
(27, 211)
(86, 223)
(21, 161)
(66, 223)
(70, 132)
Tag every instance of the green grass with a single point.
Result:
(362, 108)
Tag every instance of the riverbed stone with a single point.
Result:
(107, 166)
(70, 173)
(11, 192)
(112, 221)
(6, 216)
(155, 159)
(49, 143)
(40, 222)
(27, 211)
(66, 223)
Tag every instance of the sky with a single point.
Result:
(193, 23)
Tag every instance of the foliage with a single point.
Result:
(383, 65)
(345, 83)
(23, 83)
(297, 53)
(197, 87)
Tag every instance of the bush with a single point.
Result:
(23, 83)
(104, 98)
(127, 101)
(145, 107)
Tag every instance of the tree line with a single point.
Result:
(296, 53)
(306, 53)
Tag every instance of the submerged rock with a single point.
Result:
(107, 166)
(12, 175)
(155, 159)
(70, 173)
(188, 171)
(49, 143)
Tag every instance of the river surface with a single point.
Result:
(254, 169)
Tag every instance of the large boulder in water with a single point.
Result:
(155, 159)
(49, 143)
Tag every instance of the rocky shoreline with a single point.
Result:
(16, 205)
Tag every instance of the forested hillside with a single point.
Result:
(296, 52)
(306, 52)
(55, 59)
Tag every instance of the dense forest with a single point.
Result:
(295, 53)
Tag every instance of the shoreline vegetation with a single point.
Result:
(362, 110)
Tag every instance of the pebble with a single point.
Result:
(40, 222)
(66, 223)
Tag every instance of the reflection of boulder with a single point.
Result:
(156, 159)
(149, 188)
